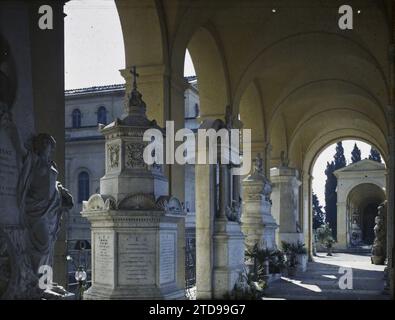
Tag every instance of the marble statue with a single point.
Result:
(233, 212)
(44, 200)
(356, 232)
(258, 165)
(379, 245)
(284, 161)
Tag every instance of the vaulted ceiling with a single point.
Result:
(297, 80)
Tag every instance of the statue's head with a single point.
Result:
(43, 145)
(7, 76)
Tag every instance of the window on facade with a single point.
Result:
(196, 110)
(83, 186)
(76, 118)
(102, 115)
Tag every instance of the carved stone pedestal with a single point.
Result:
(228, 242)
(258, 224)
(285, 198)
(138, 230)
(136, 254)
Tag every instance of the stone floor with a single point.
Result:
(321, 280)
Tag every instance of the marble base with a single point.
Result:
(142, 293)
(136, 255)
(228, 257)
(269, 228)
(258, 225)
(302, 262)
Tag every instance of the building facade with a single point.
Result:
(361, 188)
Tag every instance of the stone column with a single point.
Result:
(307, 212)
(285, 203)
(342, 224)
(32, 76)
(391, 186)
(205, 212)
(178, 85)
(219, 240)
(258, 225)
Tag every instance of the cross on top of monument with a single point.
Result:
(135, 106)
(135, 76)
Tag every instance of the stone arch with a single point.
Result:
(371, 181)
(324, 141)
(303, 93)
(310, 158)
(142, 20)
(361, 202)
(276, 52)
(347, 90)
(252, 115)
(211, 70)
(348, 123)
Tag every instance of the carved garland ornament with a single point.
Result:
(113, 156)
(134, 155)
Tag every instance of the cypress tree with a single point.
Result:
(331, 185)
(318, 214)
(331, 196)
(355, 154)
(340, 160)
(374, 155)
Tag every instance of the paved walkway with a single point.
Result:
(321, 280)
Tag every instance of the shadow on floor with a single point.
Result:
(340, 277)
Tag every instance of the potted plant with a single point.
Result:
(329, 245)
(292, 260)
(292, 264)
(259, 260)
(277, 262)
(301, 255)
(324, 235)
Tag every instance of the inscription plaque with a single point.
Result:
(136, 259)
(167, 257)
(104, 258)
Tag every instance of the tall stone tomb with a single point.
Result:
(285, 201)
(258, 224)
(138, 230)
(219, 240)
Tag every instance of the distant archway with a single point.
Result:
(361, 209)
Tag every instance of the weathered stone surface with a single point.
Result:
(379, 248)
(137, 254)
(258, 224)
(285, 199)
(228, 242)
